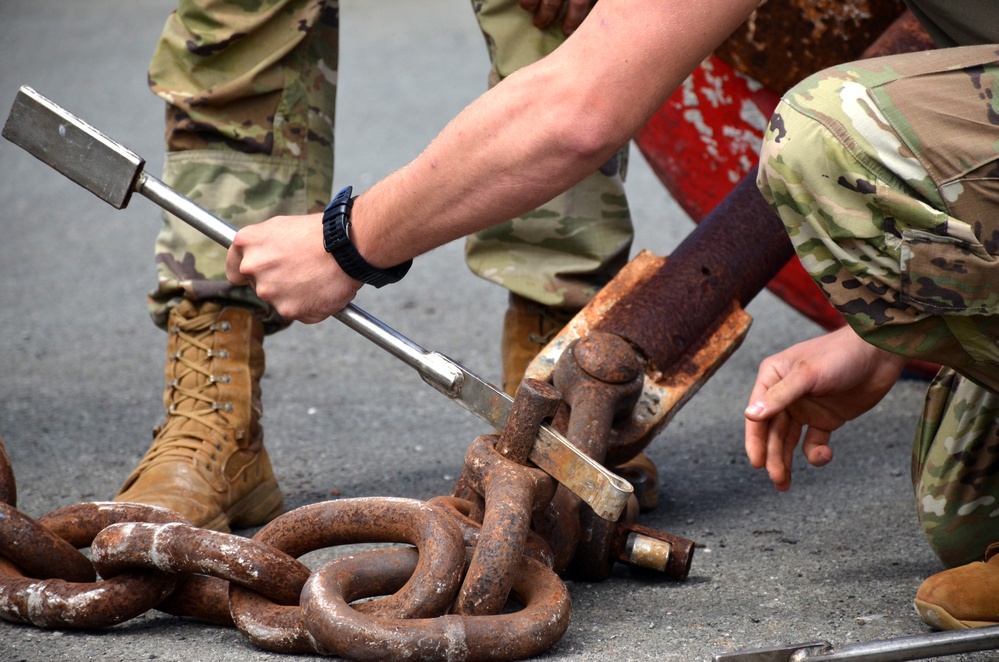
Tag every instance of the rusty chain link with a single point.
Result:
(446, 586)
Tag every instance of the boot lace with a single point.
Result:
(192, 397)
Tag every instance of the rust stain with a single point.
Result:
(784, 42)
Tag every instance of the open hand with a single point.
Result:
(815, 386)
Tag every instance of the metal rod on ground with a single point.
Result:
(916, 647)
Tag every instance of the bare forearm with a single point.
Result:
(544, 128)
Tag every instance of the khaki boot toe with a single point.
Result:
(962, 597)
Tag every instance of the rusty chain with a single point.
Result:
(444, 587)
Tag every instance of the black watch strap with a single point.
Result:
(336, 239)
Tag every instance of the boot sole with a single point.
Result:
(937, 617)
(257, 508)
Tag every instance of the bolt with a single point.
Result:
(653, 550)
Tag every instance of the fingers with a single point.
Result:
(268, 257)
(545, 11)
(773, 393)
(772, 433)
(815, 447)
(574, 15)
(759, 417)
(233, 260)
(756, 442)
(771, 445)
(782, 439)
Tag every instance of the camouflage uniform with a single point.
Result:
(562, 253)
(886, 174)
(251, 92)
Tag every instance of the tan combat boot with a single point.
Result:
(962, 597)
(527, 327)
(208, 461)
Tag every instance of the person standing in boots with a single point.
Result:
(250, 94)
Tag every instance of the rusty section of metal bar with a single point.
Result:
(201, 598)
(39, 552)
(729, 257)
(534, 402)
(784, 42)
(430, 590)
(56, 603)
(905, 35)
(182, 548)
(511, 493)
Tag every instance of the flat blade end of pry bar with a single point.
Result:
(603, 491)
(66, 143)
(788, 653)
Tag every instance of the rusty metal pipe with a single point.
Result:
(730, 256)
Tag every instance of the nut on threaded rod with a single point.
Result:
(654, 550)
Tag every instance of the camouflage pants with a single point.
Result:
(562, 253)
(886, 174)
(251, 95)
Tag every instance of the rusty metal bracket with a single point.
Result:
(663, 395)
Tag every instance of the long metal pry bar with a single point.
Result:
(112, 172)
(914, 647)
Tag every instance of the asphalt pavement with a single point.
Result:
(838, 557)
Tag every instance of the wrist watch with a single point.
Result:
(336, 239)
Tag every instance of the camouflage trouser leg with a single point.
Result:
(562, 253)
(886, 174)
(954, 464)
(250, 91)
